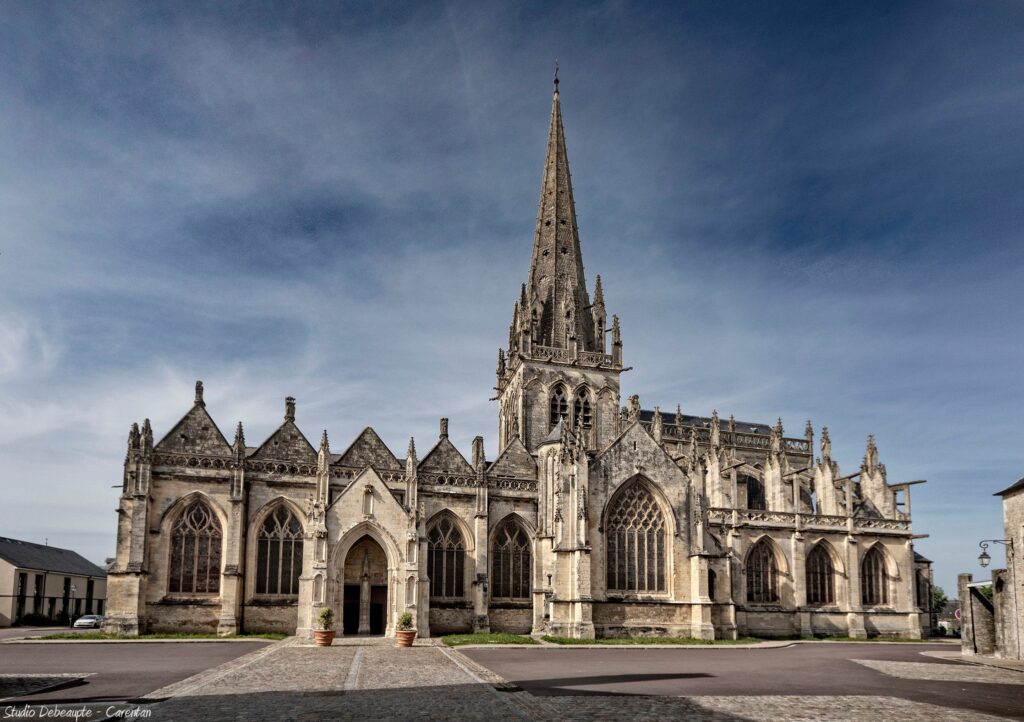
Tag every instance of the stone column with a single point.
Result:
(364, 596)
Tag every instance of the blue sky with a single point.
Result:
(805, 210)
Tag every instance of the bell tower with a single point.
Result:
(558, 365)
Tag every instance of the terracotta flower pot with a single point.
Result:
(405, 637)
(323, 637)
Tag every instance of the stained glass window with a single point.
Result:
(195, 551)
(510, 562)
(874, 579)
(279, 554)
(820, 577)
(762, 574)
(446, 560)
(636, 542)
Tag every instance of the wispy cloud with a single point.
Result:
(805, 211)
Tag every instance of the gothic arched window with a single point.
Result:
(874, 578)
(195, 551)
(581, 410)
(820, 577)
(712, 579)
(279, 553)
(762, 574)
(446, 559)
(559, 405)
(635, 536)
(510, 562)
(755, 494)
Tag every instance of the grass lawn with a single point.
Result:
(649, 640)
(457, 640)
(159, 635)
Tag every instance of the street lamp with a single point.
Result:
(71, 612)
(984, 559)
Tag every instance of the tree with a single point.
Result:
(939, 599)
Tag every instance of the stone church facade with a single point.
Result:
(595, 517)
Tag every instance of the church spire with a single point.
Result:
(558, 305)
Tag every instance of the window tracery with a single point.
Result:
(559, 406)
(446, 559)
(195, 551)
(279, 553)
(820, 577)
(762, 574)
(874, 578)
(510, 562)
(635, 537)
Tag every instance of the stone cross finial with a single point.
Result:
(633, 410)
(289, 409)
(444, 428)
(478, 452)
(199, 394)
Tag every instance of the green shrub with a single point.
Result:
(404, 623)
(326, 618)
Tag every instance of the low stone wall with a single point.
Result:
(281, 618)
(641, 619)
(514, 620)
(450, 621)
(891, 624)
(829, 624)
(198, 618)
(766, 623)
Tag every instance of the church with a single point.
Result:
(595, 516)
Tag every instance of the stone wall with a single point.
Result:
(280, 617)
(451, 620)
(512, 619)
(641, 619)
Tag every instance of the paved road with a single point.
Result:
(800, 670)
(122, 670)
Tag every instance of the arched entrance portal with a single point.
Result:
(365, 599)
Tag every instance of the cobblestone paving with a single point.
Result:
(340, 683)
(15, 685)
(380, 682)
(944, 672)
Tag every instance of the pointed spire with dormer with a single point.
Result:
(557, 301)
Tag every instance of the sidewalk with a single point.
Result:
(1015, 665)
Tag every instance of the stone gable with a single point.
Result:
(196, 433)
(515, 462)
(286, 444)
(369, 450)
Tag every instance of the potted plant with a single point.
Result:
(325, 635)
(404, 631)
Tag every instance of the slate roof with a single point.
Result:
(26, 555)
(1014, 487)
(922, 558)
(745, 427)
